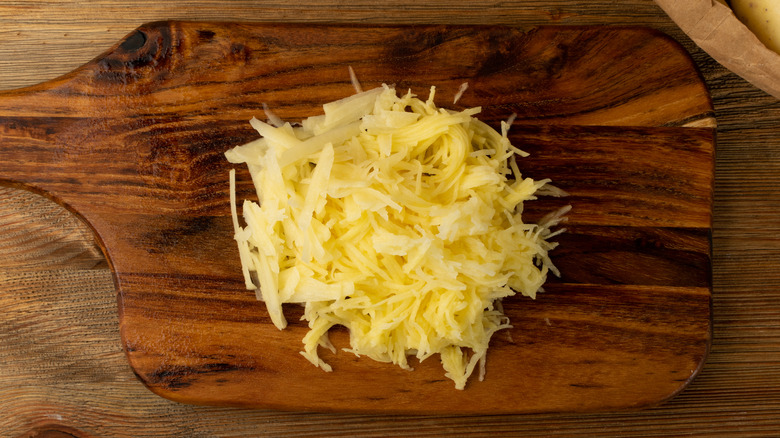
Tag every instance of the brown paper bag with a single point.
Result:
(715, 28)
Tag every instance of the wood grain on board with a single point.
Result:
(619, 117)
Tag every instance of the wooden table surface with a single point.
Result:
(62, 369)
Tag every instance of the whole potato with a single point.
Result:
(762, 17)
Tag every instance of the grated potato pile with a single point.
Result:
(396, 219)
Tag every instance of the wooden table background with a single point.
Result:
(62, 369)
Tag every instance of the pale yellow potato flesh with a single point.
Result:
(762, 17)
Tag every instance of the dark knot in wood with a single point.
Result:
(134, 42)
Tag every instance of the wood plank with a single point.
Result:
(92, 390)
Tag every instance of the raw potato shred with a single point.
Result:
(396, 219)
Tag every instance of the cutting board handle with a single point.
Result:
(46, 129)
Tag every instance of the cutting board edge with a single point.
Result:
(50, 83)
(293, 407)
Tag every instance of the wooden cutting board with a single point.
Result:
(619, 117)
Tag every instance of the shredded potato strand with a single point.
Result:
(402, 224)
